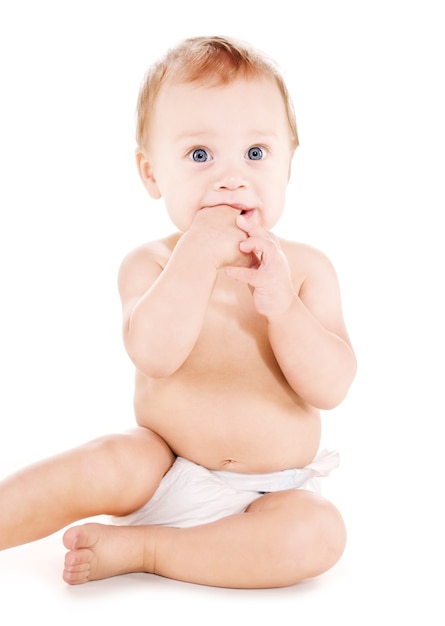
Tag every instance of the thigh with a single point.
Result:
(114, 474)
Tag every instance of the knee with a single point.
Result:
(331, 533)
(310, 536)
(105, 456)
(125, 469)
(318, 540)
(136, 447)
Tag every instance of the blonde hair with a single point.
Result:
(207, 60)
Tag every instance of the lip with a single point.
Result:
(244, 209)
(240, 207)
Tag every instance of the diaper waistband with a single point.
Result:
(322, 465)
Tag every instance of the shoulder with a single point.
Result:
(142, 265)
(307, 261)
(157, 252)
(302, 250)
(317, 285)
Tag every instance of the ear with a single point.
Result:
(146, 173)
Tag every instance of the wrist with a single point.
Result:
(204, 248)
(282, 311)
(195, 252)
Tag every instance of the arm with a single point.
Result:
(311, 344)
(164, 308)
(300, 298)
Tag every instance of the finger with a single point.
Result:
(243, 274)
(250, 226)
(257, 259)
(262, 248)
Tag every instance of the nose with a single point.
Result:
(231, 177)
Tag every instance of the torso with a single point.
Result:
(229, 406)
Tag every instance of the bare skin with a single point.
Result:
(275, 429)
(283, 521)
(241, 551)
(238, 341)
(100, 477)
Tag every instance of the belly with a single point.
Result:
(244, 424)
(229, 405)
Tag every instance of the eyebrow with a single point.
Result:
(258, 134)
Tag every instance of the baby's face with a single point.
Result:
(227, 144)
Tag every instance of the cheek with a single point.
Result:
(178, 202)
(274, 198)
(274, 189)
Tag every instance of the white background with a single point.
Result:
(367, 81)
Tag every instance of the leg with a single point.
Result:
(115, 474)
(282, 539)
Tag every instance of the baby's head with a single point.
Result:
(210, 61)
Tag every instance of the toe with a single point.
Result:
(78, 566)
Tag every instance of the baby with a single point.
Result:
(238, 341)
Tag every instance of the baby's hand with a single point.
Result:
(269, 275)
(217, 230)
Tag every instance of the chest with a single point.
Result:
(233, 333)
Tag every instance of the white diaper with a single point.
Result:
(190, 495)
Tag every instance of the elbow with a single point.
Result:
(154, 371)
(154, 367)
(329, 401)
(334, 394)
(329, 395)
(152, 362)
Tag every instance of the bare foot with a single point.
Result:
(99, 551)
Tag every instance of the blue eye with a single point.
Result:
(200, 155)
(255, 153)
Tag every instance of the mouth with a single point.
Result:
(242, 208)
(247, 212)
(238, 207)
